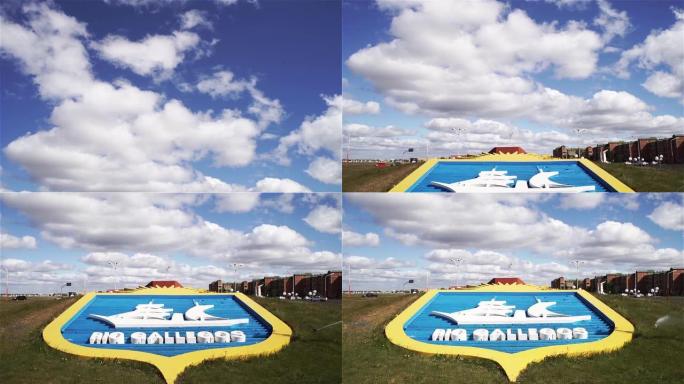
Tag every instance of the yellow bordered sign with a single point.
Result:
(599, 172)
(170, 366)
(512, 363)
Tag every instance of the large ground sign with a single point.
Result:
(171, 328)
(513, 325)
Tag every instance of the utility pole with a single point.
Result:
(349, 279)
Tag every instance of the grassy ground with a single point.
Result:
(311, 357)
(368, 357)
(663, 178)
(365, 177)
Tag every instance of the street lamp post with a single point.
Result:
(235, 269)
(577, 266)
(6, 280)
(427, 281)
(457, 261)
(115, 266)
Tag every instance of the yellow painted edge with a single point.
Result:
(512, 363)
(599, 172)
(170, 366)
(409, 180)
(609, 179)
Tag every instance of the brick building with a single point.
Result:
(164, 284)
(672, 149)
(326, 284)
(506, 280)
(669, 283)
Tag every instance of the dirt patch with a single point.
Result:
(34, 319)
(383, 313)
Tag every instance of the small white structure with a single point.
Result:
(522, 336)
(580, 333)
(238, 336)
(497, 335)
(222, 337)
(169, 339)
(564, 334)
(95, 338)
(447, 334)
(155, 338)
(438, 334)
(532, 334)
(116, 338)
(481, 334)
(547, 334)
(204, 337)
(459, 334)
(510, 336)
(179, 339)
(138, 338)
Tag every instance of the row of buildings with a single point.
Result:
(325, 284)
(669, 283)
(671, 148)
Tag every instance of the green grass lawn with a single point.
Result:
(365, 177)
(311, 357)
(652, 356)
(662, 178)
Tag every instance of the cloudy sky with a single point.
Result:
(48, 239)
(462, 78)
(171, 96)
(391, 238)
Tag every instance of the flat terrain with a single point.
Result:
(659, 178)
(365, 177)
(311, 357)
(652, 356)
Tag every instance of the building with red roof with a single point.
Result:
(164, 284)
(506, 280)
(507, 150)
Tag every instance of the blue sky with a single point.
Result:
(455, 86)
(290, 49)
(390, 239)
(49, 238)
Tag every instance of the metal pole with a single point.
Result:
(577, 265)
(349, 279)
(6, 281)
(235, 268)
(457, 261)
(114, 265)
